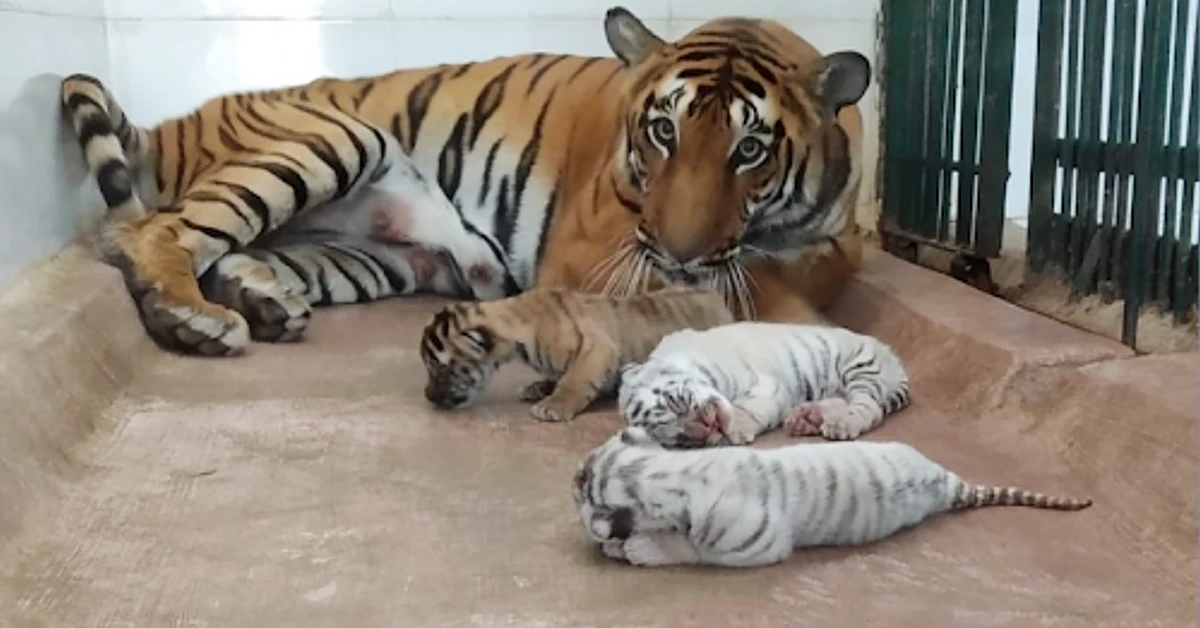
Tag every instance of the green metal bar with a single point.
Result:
(1121, 224)
(911, 53)
(1063, 255)
(1091, 90)
(997, 123)
(918, 117)
(897, 26)
(952, 99)
(935, 154)
(1185, 266)
(1161, 291)
(969, 129)
(1120, 106)
(1156, 50)
(1045, 132)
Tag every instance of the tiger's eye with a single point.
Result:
(662, 131)
(750, 149)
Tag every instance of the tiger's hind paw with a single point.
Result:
(273, 309)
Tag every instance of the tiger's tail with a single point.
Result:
(113, 149)
(109, 142)
(968, 496)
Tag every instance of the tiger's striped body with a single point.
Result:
(730, 384)
(746, 506)
(577, 341)
(490, 178)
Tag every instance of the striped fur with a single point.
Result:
(729, 384)
(481, 180)
(576, 341)
(746, 506)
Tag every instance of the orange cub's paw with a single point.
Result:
(537, 391)
(552, 411)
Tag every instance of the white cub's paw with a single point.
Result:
(644, 550)
(804, 420)
(837, 422)
(735, 424)
(613, 549)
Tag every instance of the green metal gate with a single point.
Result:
(1113, 181)
(1112, 205)
(948, 71)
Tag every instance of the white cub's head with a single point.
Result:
(606, 487)
(673, 405)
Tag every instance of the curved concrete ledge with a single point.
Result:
(972, 344)
(71, 344)
(310, 484)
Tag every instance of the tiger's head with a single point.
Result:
(730, 148)
(461, 353)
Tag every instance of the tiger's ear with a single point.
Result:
(629, 39)
(838, 80)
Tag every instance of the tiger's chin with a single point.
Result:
(729, 278)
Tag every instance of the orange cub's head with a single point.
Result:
(730, 148)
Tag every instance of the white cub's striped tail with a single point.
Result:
(969, 496)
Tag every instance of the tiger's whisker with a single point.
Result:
(635, 276)
(741, 291)
(606, 265)
(619, 268)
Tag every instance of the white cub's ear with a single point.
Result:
(629, 39)
(628, 371)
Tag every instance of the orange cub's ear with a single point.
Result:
(628, 37)
(837, 80)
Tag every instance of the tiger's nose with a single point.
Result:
(683, 254)
(443, 399)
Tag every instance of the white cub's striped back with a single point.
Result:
(728, 384)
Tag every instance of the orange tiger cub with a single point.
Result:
(577, 341)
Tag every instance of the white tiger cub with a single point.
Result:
(748, 506)
(730, 383)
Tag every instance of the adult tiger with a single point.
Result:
(728, 158)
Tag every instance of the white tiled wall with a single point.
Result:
(40, 173)
(163, 57)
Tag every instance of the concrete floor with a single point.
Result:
(311, 485)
